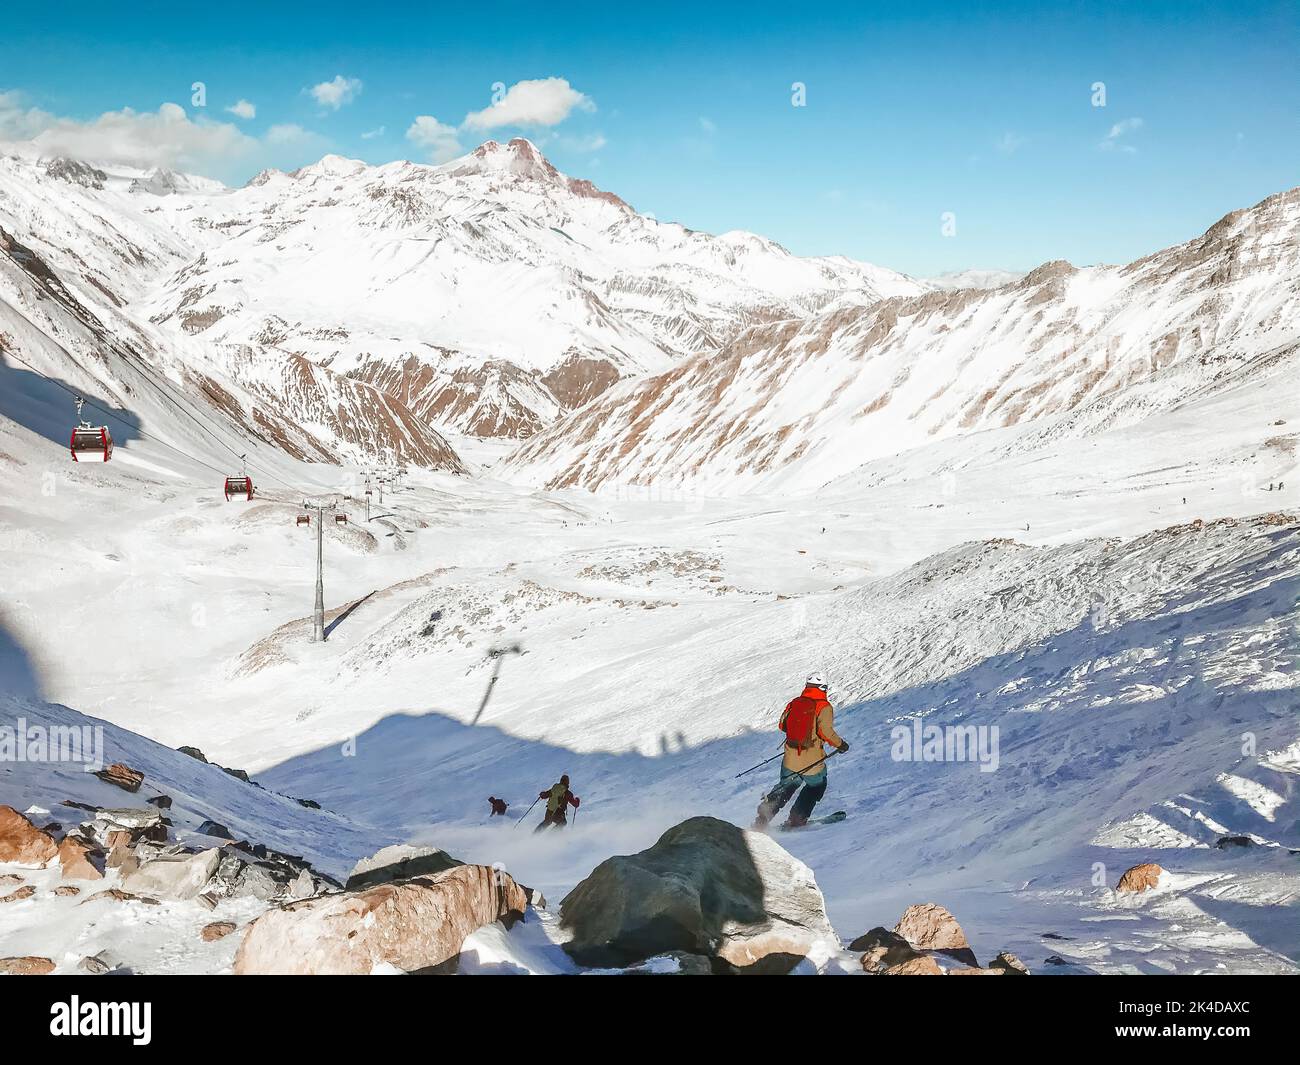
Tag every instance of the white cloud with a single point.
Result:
(439, 140)
(243, 109)
(166, 137)
(1114, 140)
(371, 134)
(337, 92)
(540, 102)
(707, 125)
(18, 122)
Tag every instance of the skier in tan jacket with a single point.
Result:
(810, 738)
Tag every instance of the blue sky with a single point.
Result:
(914, 111)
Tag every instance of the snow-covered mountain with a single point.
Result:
(974, 278)
(77, 254)
(1070, 350)
(489, 295)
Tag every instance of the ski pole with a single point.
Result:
(760, 765)
(528, 811)
(823, 758)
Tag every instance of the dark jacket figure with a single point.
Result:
(558, 800)
(499, 806)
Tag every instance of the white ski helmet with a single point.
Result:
(816, 680)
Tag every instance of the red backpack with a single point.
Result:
(801, 722)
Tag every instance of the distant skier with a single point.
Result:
(499, 806)
(558, 800)
(809, 726)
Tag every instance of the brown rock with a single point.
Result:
(882, 949)
(921, 965)
(976, 971)
(163, 802)
(67, 890)
(118, 895)
(411, 924)
(21, 841)
(75, 857)
(1140, 878)
(931, 927)
(120, 854)
(10, 878)
(119, 838)
(24, 892)
(123, 776)
(217, 930)
(26, 966)
(1009, 964)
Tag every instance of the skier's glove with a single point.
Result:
(843, 748)
(576, 802)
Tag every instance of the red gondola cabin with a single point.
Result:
(239, 486)
(91, 443)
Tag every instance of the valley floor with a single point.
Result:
(1138, 665)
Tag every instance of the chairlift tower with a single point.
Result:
(318, 615)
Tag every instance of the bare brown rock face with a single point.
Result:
(123, 776)
(24, 892)
(1140, 878)
(923, 965)
(1009, 964)
(21, 841)
(413, 925)
(118, 895)
(75, 856)
(26, 966)
(931, 927)
(882, 949)
(580, 379)
(217, 930)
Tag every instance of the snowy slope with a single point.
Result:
(1111, 582)
(797, 403)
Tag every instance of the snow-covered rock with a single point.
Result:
(174, 876)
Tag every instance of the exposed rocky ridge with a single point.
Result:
(1101, 346)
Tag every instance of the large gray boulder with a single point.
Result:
(706, 888)
(174, 876)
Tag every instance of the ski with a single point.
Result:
(828, 819)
